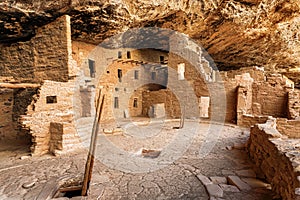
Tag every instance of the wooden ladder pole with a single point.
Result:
(182, 118)
(91, 156)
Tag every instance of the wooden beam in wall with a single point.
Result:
(19, 85)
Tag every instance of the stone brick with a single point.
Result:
(218, 179)
(272, 152)
(235, 180)
(204, 180)
(229, 188)
(214, 190)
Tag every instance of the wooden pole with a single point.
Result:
(91, 156)
(182, 118)
(19, 85)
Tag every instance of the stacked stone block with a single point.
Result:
(278, 157)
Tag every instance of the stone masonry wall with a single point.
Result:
(271, 96)
(14, 103)
(250, 120)
(52, 118)
(294, 104)
(7, 126)
(291, 128)
(44, 57)
(172, 105)
(125, 88)
(23, 98)
(225, 82)
(276, 155)
(274, 97)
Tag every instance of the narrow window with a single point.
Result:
(153, 75)
(180, 71)
(92, 68)
(120, 75)
(51, 99)
(162, 59)
(136, 74)
(135, 102)
(117, 89)
(119, 54)
(128, 54)
(116, 102)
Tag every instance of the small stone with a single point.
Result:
(214, 190)
(24, 157)
(215, 198)
(150, 153)
(78, 198)
(246, 173)
(188, 167)
(235, 180)
(255, 183)
(229, 188)
(29, 184)
(108, 131)
(218, 179)
(227, 172)
(229, 148)
(297, 169)
(239, 146)
(204, 180)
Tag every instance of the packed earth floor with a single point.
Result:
(209, 163)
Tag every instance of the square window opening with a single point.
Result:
(153, 75)
(128, 54)
(51, 99)
(92, 68)
(135, 102)
(120, 54)
(136, 74)
(116, 102)
(120, 74)
(161, 59)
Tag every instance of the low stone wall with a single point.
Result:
(294, 104)
(291, 128)
(250, 120)
(51, 119)
(7, 126)
(277, 156)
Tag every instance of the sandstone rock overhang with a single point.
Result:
(235, 33)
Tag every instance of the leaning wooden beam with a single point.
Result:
(182, 118)
(49, 190)
(91, 156)
(19, 85)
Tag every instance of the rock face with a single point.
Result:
(236, 33)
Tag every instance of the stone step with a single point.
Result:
(235, 180)
(229, 188)
(214, 190)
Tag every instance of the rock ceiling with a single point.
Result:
(236, 33)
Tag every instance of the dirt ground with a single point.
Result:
(122, 171)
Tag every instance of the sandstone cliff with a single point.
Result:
(236, 33)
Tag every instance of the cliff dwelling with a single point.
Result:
(150, 100)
